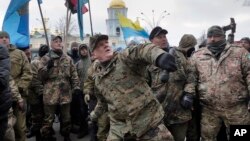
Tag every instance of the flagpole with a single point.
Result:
(68, 18)
(90, 19)
(44, 27)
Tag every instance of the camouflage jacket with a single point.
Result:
(20, 68)
(59, 81)
(16, 96)
(172, 91)
(222, 83)
(132, 106)
(36, 86)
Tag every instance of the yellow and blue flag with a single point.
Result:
(16, 23)
(131, 29)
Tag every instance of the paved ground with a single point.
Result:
(60, 138)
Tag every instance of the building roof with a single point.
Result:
(117, 4)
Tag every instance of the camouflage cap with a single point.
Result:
(215, 30)
(4, 34)
(93, 41)
(81, 46)
(55, 37)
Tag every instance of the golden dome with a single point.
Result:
(117, 4)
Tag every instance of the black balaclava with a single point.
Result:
(216, 47)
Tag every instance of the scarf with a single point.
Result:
(217, 47)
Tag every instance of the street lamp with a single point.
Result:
(152, 22)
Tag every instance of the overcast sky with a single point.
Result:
(186, 16)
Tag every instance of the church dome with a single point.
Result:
(117, 4)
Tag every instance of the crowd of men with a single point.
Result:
(149, 91)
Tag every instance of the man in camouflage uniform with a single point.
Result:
(222, 72)
(35, 98)
(119, 77)
(21, 73)
(176, 102)
(186, 46)
(17, 98)
(245, 42)
(90, 98)
(58, 74)
(103, 122)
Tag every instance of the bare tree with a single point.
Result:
(201, 38)
(61, 26)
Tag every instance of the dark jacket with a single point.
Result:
(5, 95)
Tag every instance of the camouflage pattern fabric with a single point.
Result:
(36, 86)
(35, 97)
(10, 133)
(170, 93)
(16, 96)
(159, 133)
(21, 74)
(65, 124)
(103, 127)
(121, 84)
(59, 81)
(20, 68)
(223, 88)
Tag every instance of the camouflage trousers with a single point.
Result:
(65, 125)
(20, 126)
(103, 127)
(37, 115)
(211, 120)
(10, 134)
(159, 133)
(178, 131)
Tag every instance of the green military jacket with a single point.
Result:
(16, 96)
(171, 92)
(122, 88)
(59, 81)
(36, 86)
(20, 68)
(222, 83)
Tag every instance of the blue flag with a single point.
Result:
(80, 4)
(16, 23)
(40, 1)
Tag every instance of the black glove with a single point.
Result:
(50, 64)
(166, 62)
(77, 92)
(129, 137)
(20, 90)
(187, 100)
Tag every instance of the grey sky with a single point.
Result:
(186, 16)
